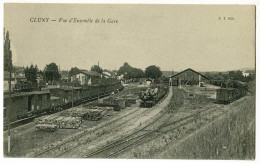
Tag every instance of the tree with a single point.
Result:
(125, 69)
(31, 73)
(153, 72)
(130, 72)
(236, 75)
(97, 69)
(73, 71)
(51, 72)
(137, 73)
(8, 66)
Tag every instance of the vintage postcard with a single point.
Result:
(135, 81)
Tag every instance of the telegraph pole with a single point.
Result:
(9, 109)
(9, 68)
(72, 94)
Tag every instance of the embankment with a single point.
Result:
(231, 136)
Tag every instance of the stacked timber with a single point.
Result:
(46, 127)
(115, 101)
(129, 100)
(94, 114)
(70, 123)
(106, 108)
(74, 112)
(71, 118)
(59, 121)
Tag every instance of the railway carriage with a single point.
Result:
(227, 95)
(30, 104)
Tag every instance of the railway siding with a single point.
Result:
(156, 144)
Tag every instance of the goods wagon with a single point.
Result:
(33, 104)
(227, 95)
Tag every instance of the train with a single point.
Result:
(153, 95)
(227, 95)
(29, 105)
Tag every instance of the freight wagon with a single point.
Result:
(28, 105)
(227, 95)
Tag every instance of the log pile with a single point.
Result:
(106, 108)
(46, 127)
(115, 101)
(129, 100)
(73, 112)
(94, 114)
(71, 118)
(59, 121)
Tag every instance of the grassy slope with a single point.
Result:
(232, 136)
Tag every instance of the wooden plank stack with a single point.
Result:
(59, 121)
(71, 118)
(94, 114)
(46, 127)
(115, 101)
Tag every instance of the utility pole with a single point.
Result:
(72, 94)
(9, 109)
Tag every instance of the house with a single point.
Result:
(6, 80)
(188, 77)
(15, 78)
(120, 77)
(85, 77)
(149, 81)
(246, 73)
(108, 74)
(39, 79)
(64, 76)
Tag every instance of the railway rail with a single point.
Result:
(141, 136)
(130, 138)
(39, 154)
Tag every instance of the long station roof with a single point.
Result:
(189, 69)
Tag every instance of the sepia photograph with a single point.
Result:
(129, 81)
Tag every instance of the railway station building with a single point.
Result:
(188, 77)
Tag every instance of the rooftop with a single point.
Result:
(28, 93)
(190, 70)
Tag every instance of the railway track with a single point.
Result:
(145, 112)
(39, 154)
(131, 138)
(44, 152)
(142, 135)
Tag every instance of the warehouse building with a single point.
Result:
(188, 77)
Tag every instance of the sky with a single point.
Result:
(173, 37)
